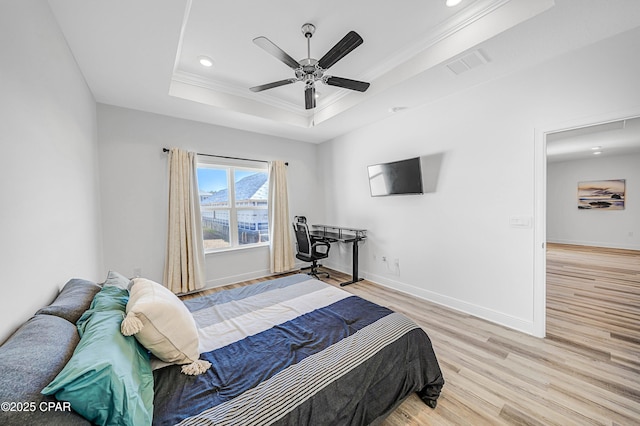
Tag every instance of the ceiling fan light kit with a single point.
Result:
(310, 70)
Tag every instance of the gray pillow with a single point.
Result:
(29, 360)
(118, 280)
(73, 300)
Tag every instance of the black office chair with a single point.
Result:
(310, 248)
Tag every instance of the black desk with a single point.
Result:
(345, 235)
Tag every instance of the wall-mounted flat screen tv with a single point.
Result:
(396, 178)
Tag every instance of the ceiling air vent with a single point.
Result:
(467, 62)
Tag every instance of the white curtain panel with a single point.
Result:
(281, 244)
(184, 265)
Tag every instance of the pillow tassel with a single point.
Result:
(131, 324)
(196, 367)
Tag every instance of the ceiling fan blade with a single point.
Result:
(274, 50)
(310, 97)
(340, 50)
(272, 85)
(346, 83)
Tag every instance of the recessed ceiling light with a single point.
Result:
(597, 153)
(205, 61)
(452, 3)
(595, 148)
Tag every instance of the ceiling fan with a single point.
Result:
(309, 70)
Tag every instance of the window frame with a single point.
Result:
(232, 166)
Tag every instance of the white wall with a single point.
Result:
(50, 227)
(456, 246)
(134, 188)
(602, 228)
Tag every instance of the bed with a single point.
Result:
(297, 351)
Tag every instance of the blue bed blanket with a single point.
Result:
(297, 351)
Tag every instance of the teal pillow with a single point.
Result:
(110, 298)
(108, 380)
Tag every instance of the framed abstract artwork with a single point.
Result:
(601, 194)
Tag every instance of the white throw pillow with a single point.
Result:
(163, 325)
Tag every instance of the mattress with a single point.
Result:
(297, 351)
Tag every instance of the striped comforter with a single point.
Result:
(296, 351)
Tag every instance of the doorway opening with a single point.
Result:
(564, 157)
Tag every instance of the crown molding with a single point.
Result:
(466, 29)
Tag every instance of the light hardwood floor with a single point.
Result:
(585, 372)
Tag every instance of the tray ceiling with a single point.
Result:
(144, 54)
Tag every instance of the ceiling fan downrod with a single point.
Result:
(308, 30)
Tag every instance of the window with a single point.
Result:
(233, 204)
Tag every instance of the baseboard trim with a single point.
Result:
(594, 244)
(493, 316)
(490, 315)
(239, 278)
(233, 279)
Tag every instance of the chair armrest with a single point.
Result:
(321, 246)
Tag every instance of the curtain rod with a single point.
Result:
(229, 158)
